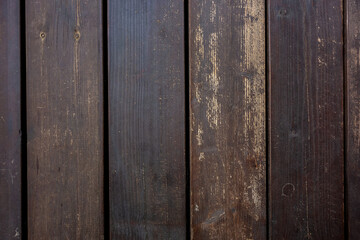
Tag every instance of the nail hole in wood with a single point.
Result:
(77, 35)
(42, 35)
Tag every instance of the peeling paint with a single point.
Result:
(212, 11)
(201, 156)
(214, 107)
(197, 92)
(199, 135)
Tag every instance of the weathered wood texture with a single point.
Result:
(227, 79)
(353, 117)
(10, 133)
(64, 119)
(306, 119)
(147, 119)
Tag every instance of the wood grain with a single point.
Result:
(353, 117)
(10, 127)
(228, 153)
(147, 119)
(64, 119)
(306, 120)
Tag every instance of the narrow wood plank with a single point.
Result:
(353, 120)
(65, 119)
(147, 119)
(306, 119)
(228, 163)
(10, 133)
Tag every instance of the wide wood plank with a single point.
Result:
(306, 119)
(353, 117)
(64, 119)
(147, 119)
(10, 130)
(228, 150)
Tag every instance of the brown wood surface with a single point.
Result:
(147, 119)
(10, 129)
(306, 120)
(353, 117)
(64, 119)
(227, 81)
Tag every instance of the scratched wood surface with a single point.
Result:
(353, 117)
(64, 119)
(146, 119)
(227, 80)
(10, 131)
(306, 120)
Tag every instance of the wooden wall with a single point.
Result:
(170, 119)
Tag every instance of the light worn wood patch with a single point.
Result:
(227, 74)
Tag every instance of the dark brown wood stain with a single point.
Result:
(306, 119)
(146, 119)
(353, 120)
(64, 119)
(10, 127)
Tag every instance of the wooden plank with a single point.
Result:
(306, 120)
(353, 120)
(228, 149)
(10, 126)
(64, 119)
(147, 119)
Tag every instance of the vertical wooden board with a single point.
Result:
(306, 119)
(64, 119)
(147, 119)
(227, 80)
(10, 133)
(353, 117)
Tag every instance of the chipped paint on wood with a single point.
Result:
(214, 108)
(199, 135)
(227, 71)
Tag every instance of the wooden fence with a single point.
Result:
(171, 119)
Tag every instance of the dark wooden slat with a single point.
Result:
(306, 119)
(146, 114)
(10, 134)
(65, 119)
(228, 164)
(353, 121)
